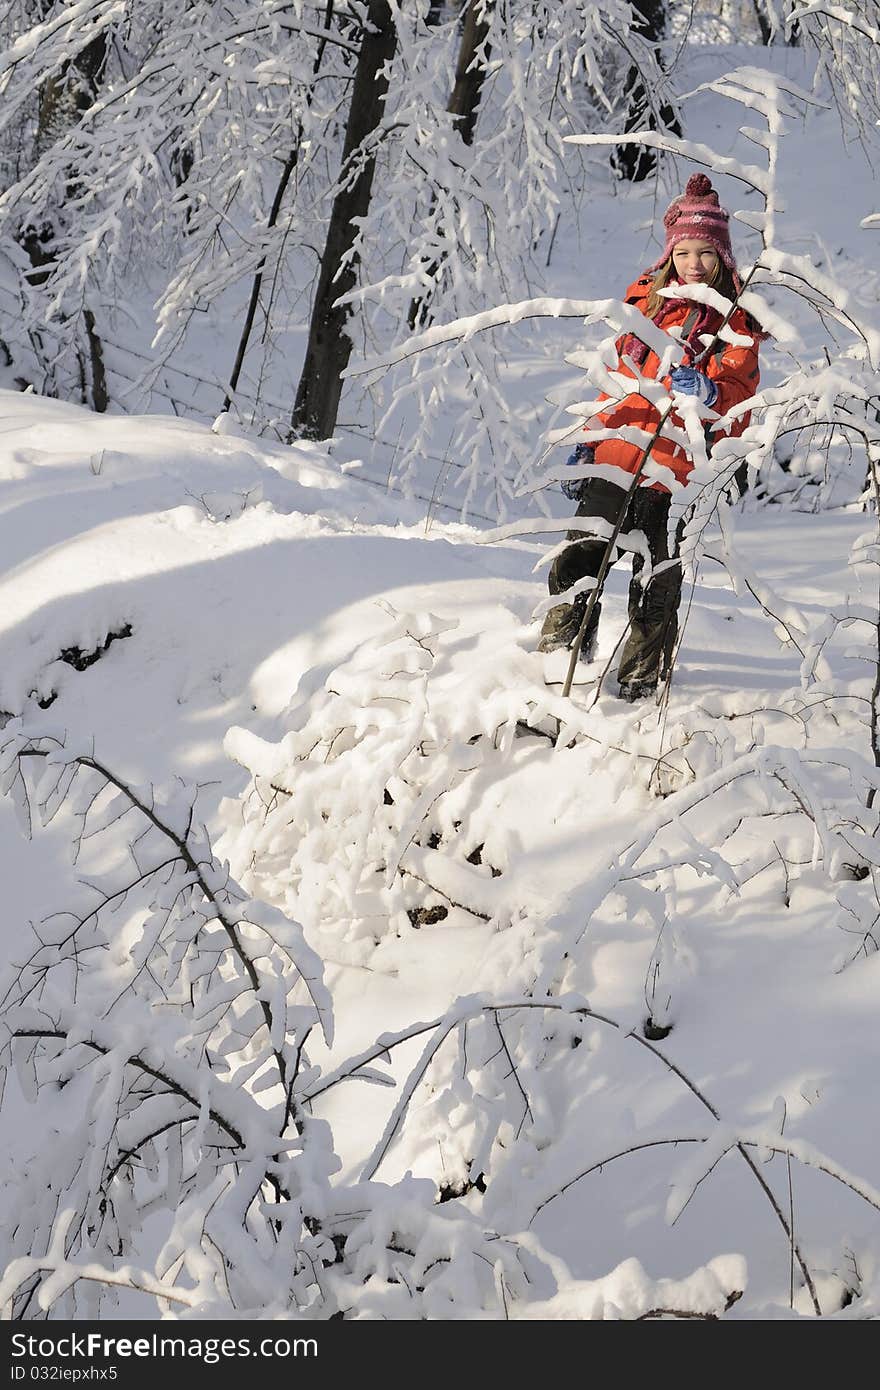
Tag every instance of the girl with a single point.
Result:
(697, 252)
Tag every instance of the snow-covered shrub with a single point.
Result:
(374, 812)
(163, 1002)
(162, 1021)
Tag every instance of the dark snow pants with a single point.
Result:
(653, 608)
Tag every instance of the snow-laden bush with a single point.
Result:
(413, 809)
(374, 806)
(174, 1015)
(152, 999)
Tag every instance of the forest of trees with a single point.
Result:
(319, 177)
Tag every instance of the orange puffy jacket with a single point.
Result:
(734, 369)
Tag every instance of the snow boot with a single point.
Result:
(562, 624)
(637, 690)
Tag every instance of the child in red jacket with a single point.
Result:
(697, 251)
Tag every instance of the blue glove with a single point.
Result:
(690, 382)
(582, 453)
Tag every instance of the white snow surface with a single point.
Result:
(280, 623)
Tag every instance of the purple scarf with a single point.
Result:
(706, 321)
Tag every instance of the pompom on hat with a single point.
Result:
(697, 214)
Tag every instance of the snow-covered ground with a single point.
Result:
(453, 836)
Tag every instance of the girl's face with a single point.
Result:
(694, 262)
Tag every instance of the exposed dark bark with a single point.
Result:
(464, 105)
(329, 346)
(631, 161)
(97, 374)
(763, 22)
(70, 91)
(792, 34)
(250, 315)
(873, 466)
(181, 162)
(63, 98)
(287, 171)
(469, 72)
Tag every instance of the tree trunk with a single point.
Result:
(97, 372)
(469, 74)
(62, 100)
(254, 299)
(463, 105)
(763, 22)
(69, 92)
(287, 172)
(329, 346)
(631, 162)
(791, 33)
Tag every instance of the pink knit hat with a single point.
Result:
(697, 214)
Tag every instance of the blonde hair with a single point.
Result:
(722, 280)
